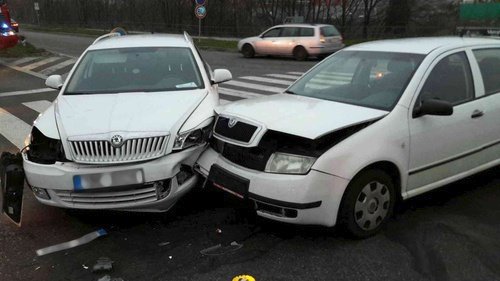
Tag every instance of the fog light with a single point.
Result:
(162, 189)
(40, 192)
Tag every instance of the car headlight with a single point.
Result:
(192, 138)
(44, 150)
(284, 163)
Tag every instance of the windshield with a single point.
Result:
(135, 70)
(371, 79)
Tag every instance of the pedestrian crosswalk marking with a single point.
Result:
(238, 93)
(40, 63)
(27, 92)
(267, 80)
(295, 73)
(49, 70)
(284, 76)
(13, 129)
(259, 87)
(24, 60)
(39, 105)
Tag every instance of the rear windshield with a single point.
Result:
(329, 31)
(135, 70)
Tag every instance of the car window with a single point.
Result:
(290, 32)
(306, 32)
(275, 32)
(329, 31)
(371, 79)
(450, 80)
(135, 70)
(489, 64)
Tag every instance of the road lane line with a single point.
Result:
(267, 80)
(38, 106)
(24, 60)
(40, 63)
(284, 76)
(238, 93)
(255, 86)
(58, 66)
(13, 129)
(27, 92)
(295, 73)
(32, 73)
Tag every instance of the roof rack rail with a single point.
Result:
(117, 31)
(188, 37)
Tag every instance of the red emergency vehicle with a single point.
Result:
(8, 37)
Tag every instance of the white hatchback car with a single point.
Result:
(130, 121)
(297, 40)
(372, 124)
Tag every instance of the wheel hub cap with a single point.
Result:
(372, 205)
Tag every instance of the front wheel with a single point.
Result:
(248, 51)
(299, 53)
(367, 204)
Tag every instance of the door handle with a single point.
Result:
(477, 113)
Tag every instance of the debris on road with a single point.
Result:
(85, 267)
(73, 243)
(218, 230)
(37, 268)
(218, 250)
(103, 264)
(163, 244)
(108, 278)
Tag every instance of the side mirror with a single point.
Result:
(221, 75)
(433, 107)
(54, 82)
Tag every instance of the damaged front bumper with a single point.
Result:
(152, 186)
(300, 199)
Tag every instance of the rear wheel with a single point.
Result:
(248, 51)
(300, 53)
(367, 204)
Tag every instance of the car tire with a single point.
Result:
(300, 53)
(367, 204)
(248, 51)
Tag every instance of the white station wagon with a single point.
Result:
(129, 123)
(372, 124)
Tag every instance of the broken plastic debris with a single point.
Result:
(37, 268)
(85, 267)
(103, 264)
(170, 257)
(218, 230)
(105, 278)
(73, 243)
(218, 250)
(163, 244)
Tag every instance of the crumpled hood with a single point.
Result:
(299, 115)
(86, 115)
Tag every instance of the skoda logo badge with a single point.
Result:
(116, 141)
(232, 122)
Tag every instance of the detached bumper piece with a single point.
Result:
(12, 179)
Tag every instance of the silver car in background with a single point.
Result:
(297, 40)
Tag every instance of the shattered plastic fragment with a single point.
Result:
(73, 243)
(103, 264)
(163, 244)
(85, 267)
(105, 278)
(219, 250)
(218, 230)
(38, 267)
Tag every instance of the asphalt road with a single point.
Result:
(449, 234)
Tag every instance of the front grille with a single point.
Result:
(254, 158)
(101, 151)
(108, 198)
(241, 131)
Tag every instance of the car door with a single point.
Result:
(440, 146)
(267, 43)
(488, 62)
(288, 40)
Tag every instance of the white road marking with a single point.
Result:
(255, 86)
(295, 73)
(40, 63)
(267, 80)
(27, 92)
(13, 129)
(58, 66)
(284, 76)
(39, 105)
(238, 93)
(24, 60)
